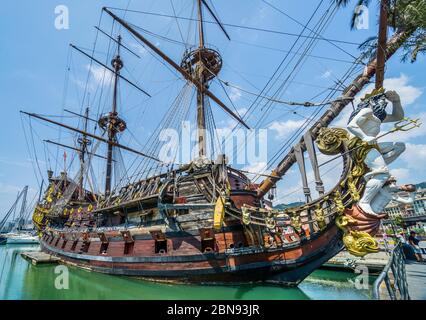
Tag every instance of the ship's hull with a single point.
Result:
(287, 265)
(3, 240)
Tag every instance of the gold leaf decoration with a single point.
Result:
(360, 243)
(330, 140)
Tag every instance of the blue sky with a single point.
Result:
(35, 77)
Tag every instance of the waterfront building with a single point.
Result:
(417, 208)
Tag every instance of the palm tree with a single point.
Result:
(408, 16)
(407, 26)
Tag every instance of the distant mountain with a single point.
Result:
(421, 185)
(283, 206)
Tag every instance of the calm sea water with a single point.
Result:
(19, 279)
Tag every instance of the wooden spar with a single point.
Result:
(185, 74)
(216, 19)
(381, 44)
(108, 68)
(81, 116)
(115, 40)
(336, 107)
(115, 144)
(73, 148)
(201, 116)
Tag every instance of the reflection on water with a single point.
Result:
(19, 279)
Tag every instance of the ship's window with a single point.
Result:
(161, 246)
(128, 247)
(74, 245)
(104, 248)
(64, 243)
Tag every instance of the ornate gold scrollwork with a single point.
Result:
(319, 216)
(246, 216)
(295, 222)
(358, 243)
(270, 222)
(338, 202)
(353, 190)
(330, 140)
(360, 149)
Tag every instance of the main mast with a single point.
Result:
(201, 121)
(202, 64)
(111, 122)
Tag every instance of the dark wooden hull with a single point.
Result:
(286, 265)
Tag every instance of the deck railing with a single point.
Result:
(394, 277)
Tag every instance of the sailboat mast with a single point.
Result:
(21, 220)
(117, 64)
(201, 121)
(84, 142)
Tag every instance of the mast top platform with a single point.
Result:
(208, 57)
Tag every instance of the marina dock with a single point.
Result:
(38, 257)
(375, 262)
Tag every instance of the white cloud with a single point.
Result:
(400, 173)
(408, 93)
(235, 94)
(258, 167)
(100, 75)
(140, 50)
(327, 74)
(415, 157)
(9, 189)
(284, 128)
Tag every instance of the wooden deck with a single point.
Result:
(38, 257)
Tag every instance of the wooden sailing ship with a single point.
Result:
(205, 221)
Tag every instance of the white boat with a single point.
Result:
(21, 238)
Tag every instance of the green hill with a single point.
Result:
(283, 206)
(421, 185)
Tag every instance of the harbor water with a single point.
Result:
(19, 279)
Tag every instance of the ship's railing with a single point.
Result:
(394, 277)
